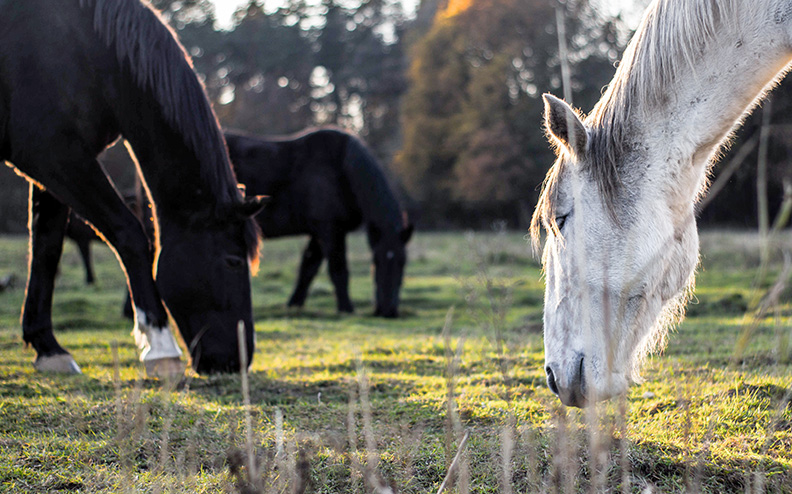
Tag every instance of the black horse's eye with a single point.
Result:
(234, 262)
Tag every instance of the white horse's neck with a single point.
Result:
(726, 82)
(713, 86)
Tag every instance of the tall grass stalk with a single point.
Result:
(243, 375)
(454, 462)
(763, 207)
(491, 315)
(763, 303)
(727, 171)
(355, 471)
(371, 475)
(624, 446)
(454, 428)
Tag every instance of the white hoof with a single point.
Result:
(61, 364)
(165, 368)
(159, 351)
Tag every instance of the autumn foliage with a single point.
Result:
(472, 116)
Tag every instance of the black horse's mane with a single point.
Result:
(158, 62)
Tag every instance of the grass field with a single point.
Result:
(348, 404)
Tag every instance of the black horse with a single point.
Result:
(326, 183)
(83, 235)
(76, 74)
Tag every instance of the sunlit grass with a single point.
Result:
(701, 421)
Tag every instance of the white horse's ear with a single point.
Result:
(564, 125)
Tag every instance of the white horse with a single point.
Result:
(618, 205)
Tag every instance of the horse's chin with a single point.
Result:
(616, 385)
(612, 385)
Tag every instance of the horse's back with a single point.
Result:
(259, 164)
(51, 62)
(303, 175)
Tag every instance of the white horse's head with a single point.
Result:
(613, 276)
(618, 205)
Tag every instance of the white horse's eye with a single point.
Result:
(560, 221)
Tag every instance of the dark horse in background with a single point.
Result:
(326, 183)
(83, 235)
(76, 74)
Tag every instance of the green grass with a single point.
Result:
(349, 403)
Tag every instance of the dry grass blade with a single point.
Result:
(454, 426)
(243, 374)
(372, 476)
(726, 173)
(451, 468)
(761, 176)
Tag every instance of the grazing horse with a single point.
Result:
(326, 183)
(82, 234)
(618, 204)
(76, 74)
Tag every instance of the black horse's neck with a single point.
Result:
(175, 176)
(378, 204)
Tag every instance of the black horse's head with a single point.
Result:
(203, 271)
(390, 257)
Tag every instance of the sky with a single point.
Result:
(224, 8)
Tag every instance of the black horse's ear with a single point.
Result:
(251, 206)
(406, 233)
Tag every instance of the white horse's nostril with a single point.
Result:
(551, 382)
(582, 378)
(570, 387)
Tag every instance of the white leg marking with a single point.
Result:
(154, 343)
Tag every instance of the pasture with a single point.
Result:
(355, 403)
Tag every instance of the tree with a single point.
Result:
(473, 111)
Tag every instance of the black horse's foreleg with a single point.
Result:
(335, 251)
(85, 252)
(127, 311)
(94, 198)
(311, 261)
(47, 222)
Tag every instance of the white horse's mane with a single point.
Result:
(671, 37)
(668, 43)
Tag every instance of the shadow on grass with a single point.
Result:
(658, 465)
